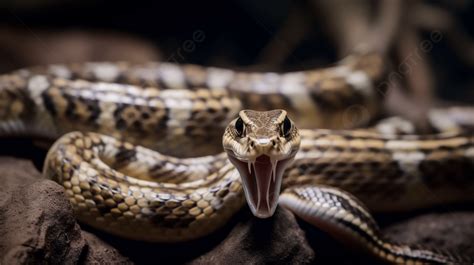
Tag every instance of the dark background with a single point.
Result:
(237, 34)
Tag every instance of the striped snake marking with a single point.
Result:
(115, 116)
(165, 106)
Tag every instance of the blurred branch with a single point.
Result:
(429, 17)
(386, 25)
(284, 42)
(346, 22)
(400, 104)
(414, 67)
(360, 24)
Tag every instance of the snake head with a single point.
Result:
(261, 145)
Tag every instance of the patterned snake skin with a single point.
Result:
(326, 176)
(164, 106)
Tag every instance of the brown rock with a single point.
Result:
(276, 240)
(100, 252)
(37, 224)
(452, 232)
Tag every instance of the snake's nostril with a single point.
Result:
(252, 144)
(274, 143)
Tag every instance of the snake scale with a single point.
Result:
(114, 116)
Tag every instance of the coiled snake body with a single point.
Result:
(138, 193)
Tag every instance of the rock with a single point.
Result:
(452, 232)
(35, 219)
(37, 224)
(276, 240)
(245, 239)
(100, 252)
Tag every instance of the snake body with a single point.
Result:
(138, 193)
(164, 106)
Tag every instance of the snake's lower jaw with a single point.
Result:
(261, 181)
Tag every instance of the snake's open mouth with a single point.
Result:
(261, 181)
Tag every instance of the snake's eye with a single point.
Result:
(239, 127)
(286, 127)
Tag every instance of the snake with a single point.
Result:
(136, 152)
(165, 106)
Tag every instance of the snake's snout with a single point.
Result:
(265, 145)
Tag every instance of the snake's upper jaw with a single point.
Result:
(261, 181)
